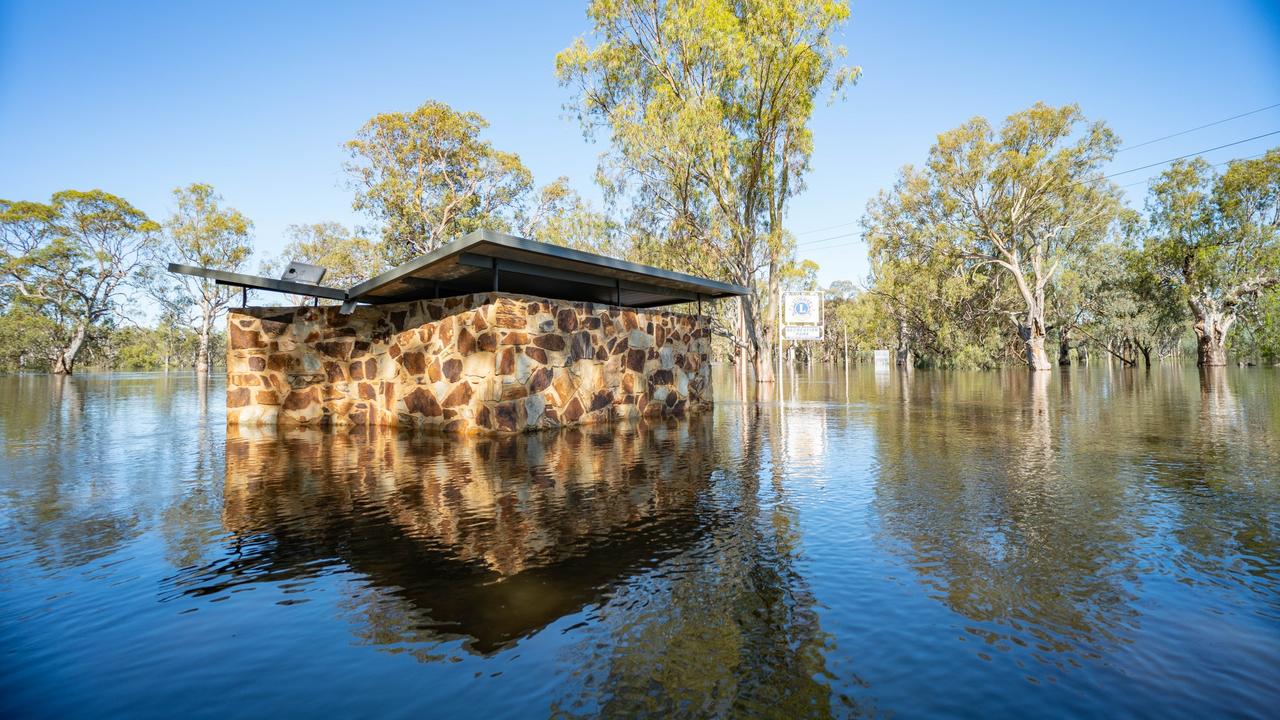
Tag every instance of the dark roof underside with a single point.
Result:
(484, 261)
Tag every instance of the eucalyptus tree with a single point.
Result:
(1215, 240)
(427, 176)
(204, 233)
(1021, 199)
(707, 107)
(71, 261)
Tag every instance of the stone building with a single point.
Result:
(488, 334)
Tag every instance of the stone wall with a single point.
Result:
(484, 363)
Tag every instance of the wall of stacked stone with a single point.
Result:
(474, 364)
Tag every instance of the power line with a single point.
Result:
(1184, 157)
(1199, 127)
(1106, 177)
(830, 227)
(1144, 180)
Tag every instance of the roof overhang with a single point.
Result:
(486, 261)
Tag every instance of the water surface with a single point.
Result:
(1105, 542)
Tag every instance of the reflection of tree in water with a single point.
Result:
(729, 627)
(57, 470)
(1034, 553)
(487, 540)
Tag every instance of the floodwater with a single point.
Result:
(1105, 543)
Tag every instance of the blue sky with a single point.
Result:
(257, 98)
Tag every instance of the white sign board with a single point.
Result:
(801, 332)
(802, 308)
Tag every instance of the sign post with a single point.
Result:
(799, 318)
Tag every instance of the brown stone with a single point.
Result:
(257, 363)
(540, 380)
(466, 342)
(601, 355)
(477, 320)
(394, 351)
(266, 397)
(370, 368)
(487, 342)
(356, 369)
(237, 397)
(536, 353)
(414, 363)
(661, 377)
(280, 361)
(300, 399)
(244, 339)
(515, 338)
(507, 415)
(554, 343)
(506, 361)
(573, 410)
(460, 395)
(366, 391)
(635, 360)
(451, 369)
(333, 372)
(509, 317)
(567, 320)
(422, 402)
(602, 399)
(336, 349)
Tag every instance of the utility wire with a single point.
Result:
(1144, 180)
(1199, 127)
(1184, 157)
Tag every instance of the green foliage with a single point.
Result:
(982, 231)
(1215, 241)
(204, 233)
(70, 262)
(427, 177)
(348, 257)
(707, 106)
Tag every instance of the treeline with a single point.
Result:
(1010, 245)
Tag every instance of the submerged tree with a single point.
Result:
(71, 261)
(203, 233)
(1022, 200)
(1215, 239)
(707, 106)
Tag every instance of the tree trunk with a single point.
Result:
(757, 347)
(1064, 349)
(1146, 354)
(66, 359)
(903, 354)
(1033, 335)
(1211, 326)
(1081, 353)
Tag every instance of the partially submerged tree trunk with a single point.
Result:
(903, 352)
(1081, 353)
(1211, 325)
(66, 358)
(202, 353)
(1033, 336)
(1064, 349)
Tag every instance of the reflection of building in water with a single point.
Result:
(489, 539)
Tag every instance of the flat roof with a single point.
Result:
(484, 261)
(487, 261)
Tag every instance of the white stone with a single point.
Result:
(640, 339)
